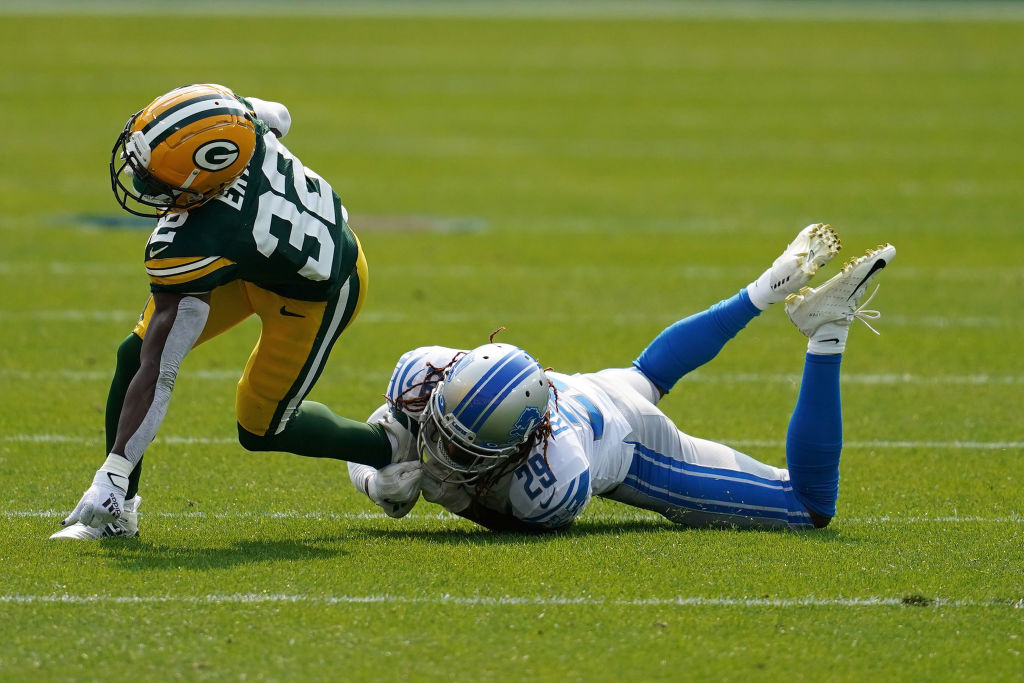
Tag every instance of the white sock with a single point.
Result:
(828, 339)
(760, 291)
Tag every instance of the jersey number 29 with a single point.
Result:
(536, 468)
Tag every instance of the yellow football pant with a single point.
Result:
(293, 347)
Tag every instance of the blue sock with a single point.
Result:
(815, 437)
(693, 341)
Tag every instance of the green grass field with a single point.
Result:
(583, 182)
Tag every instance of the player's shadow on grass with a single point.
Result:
(138, 554)
(481, 536)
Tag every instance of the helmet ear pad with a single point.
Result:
(485, 410)
(138, 155)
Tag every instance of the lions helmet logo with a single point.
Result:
(530, 418)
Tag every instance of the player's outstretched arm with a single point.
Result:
(174, 328)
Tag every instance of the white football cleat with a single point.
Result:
(813, 247)
(824, 313)
(125, 526)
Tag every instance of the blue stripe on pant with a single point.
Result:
(699, 496)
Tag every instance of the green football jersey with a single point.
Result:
(280, 226)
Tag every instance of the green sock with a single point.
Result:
(317, 432)
(128, 362)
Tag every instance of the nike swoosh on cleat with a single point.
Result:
(286, 312)
(877, 266)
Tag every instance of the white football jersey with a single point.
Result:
(585, 455)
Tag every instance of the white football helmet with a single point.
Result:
(482, 412)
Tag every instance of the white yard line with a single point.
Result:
(70, 268)
(953, 519)
(493, 601)
(981, 379)
(323, 516)
(106, 374)
(69, 315)
(66, 438)
(888, 445)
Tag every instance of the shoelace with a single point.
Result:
(864, 315)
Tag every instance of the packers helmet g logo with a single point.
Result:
(215, 155)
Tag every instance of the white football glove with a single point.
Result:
(452, 496)
(274, 114)
(395, 488)
(103, 502)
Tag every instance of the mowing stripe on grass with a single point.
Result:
(736, 443)
(598, 10)
(502, 601)
(697, 376)
(886, 445)
(570, 271)
(452, 317)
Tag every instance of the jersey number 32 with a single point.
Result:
(312, 215)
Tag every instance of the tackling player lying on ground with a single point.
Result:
(242, 228)
(492, 437)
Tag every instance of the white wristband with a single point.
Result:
(118, 464)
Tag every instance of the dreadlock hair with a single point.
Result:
(418, 401)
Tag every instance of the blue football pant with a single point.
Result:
(701, 483)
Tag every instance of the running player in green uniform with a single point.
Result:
(243, 227)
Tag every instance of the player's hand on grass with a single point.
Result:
(395, 487)
(103, 502)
